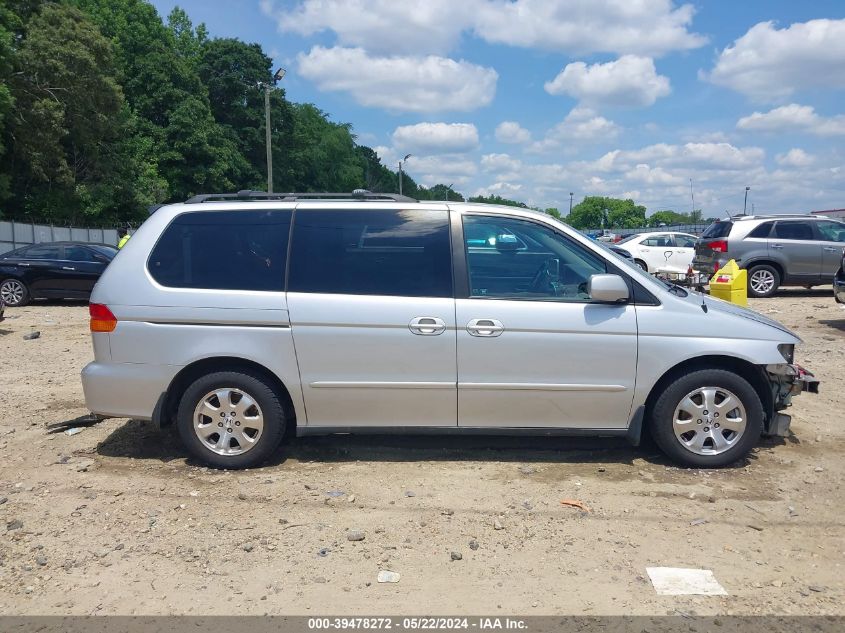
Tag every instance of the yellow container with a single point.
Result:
(730, 283)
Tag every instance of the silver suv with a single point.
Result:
(777, 250)
(243, 317)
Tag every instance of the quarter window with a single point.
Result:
(371, 252)
(549, 267)
(223, 250)
(762, 231)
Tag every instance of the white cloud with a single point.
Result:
(793, 118)
(431, 170)
(617, 26)
(503, 166)
(581, 124)
(652, 175)
(400, 84)
(717, 156)
(629, 81)
(512, 132)
(436, 138)
(504, 189)
(768, 64)
(796, 157)
(652, 27)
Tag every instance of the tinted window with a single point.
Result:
(106, 251)
(763, 230)
(228, 250)
(717, 229)
(658, 240)
(684, 241)
(42, 251)
(832, 231)
(551, 267)
(793, 231)
(371, 252)
(79, 254)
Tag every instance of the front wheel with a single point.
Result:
(707, 419)
(14, 293)
(231, 419)
(641, 264)
(763, 280)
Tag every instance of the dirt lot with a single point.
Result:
(114, 520)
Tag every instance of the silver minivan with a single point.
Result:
(242, 317)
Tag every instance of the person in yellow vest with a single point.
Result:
(123, 237)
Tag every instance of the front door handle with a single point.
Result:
(68, 268)
(776, 245)
(485, 327)
(831, 249)
(427, 326)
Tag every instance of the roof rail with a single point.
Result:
(772, 216)
(247, 195)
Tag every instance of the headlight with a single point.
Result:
(787, 350)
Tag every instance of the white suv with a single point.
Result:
(242, 316)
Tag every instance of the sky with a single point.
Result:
(667, 103)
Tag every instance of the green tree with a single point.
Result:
(552, 211)
(494, 199)
(596, 212)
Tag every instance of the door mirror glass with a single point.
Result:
(607, 289)
(507, 242)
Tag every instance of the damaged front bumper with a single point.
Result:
(787, 380)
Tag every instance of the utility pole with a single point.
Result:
(277, 76)
(745, 204)
(407, 156)
(692, 198)
(570, 202)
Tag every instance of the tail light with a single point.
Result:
(102, 319)
(719, 246)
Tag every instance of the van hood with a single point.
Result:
(726, 307)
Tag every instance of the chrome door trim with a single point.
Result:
(355, 384)
(538, 386)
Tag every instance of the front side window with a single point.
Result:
(401, 253)
(551, 267)
(79, 254)
(832, 231)
(223, 250)
(793, 231)
(658, 241)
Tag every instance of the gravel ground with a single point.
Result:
(115, 520)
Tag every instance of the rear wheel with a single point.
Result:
(707, 419)
(231, 419)
(763, 280)
(14, 292)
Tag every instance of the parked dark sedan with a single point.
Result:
(52, 270)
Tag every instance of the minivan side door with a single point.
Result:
(533, 350)
(373, 315)
(795, 243)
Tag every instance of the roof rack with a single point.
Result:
(771, 216)
(247, 195)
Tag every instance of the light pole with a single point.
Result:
(745, 204)
(267, 87)
(570, 202)
(407, 156)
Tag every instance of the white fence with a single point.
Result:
(16, 234)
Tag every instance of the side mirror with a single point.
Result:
(507, 243)
(608, 289)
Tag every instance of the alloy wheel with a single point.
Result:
(12, 292)
(228, 421)
(762, 281)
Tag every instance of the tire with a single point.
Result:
(14, 292)
(225, 441)
(763, 280)
(696, 447)
(641, 264)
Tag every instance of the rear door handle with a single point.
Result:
(832, 249)
(427, 326)
(68, 268)
(485, 327)
(776, 245)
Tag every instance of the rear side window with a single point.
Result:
(716, 230)
(223, 250)
(371, 252)
(794, 231)
(762, 231)
(832, 231)
(42, 252)
(684, 241)
(79, 254)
